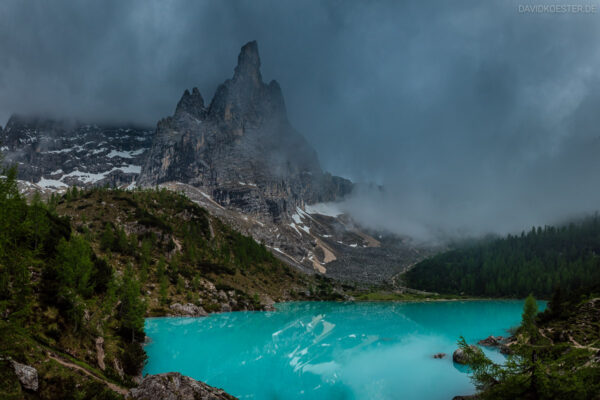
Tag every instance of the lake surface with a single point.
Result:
(326, 350)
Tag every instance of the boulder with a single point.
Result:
(460, 357)
(28, 376)
(174, 386)
(189, 310)
(268, 303)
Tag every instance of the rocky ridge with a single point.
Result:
(56, 154)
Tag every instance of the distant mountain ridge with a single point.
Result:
(56, 154)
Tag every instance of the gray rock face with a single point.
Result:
(58, 154)
(242, 149)
(28, 376)
(189, 309)
(174, 386)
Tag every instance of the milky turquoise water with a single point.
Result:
(325, 350)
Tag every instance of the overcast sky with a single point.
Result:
(476, 117)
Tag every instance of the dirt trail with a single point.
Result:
(68, 364)
(580, 346)
(541, 331)
(572, 340)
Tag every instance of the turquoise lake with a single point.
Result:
(327, 350)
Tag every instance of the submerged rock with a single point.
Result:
(189, 309)
(28, 376)
(439, 355)
(174, 386)
(460, 357)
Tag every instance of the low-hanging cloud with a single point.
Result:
(474, 116)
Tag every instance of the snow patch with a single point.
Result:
(297, 218)
(129, 169)
(327, 209)
(247, 184)
(51, 184)
(100, 150)
(90, 177)
(125, 154)
(293, 225)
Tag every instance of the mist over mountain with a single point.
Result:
(473, 116)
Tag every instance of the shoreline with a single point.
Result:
(424, 300)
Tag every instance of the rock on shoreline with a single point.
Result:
(460, 357)
(174, 386)
(499, 342)
(189, 310)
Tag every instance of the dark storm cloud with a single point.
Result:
(474, 116)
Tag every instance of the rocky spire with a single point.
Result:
(245, 100)
(192, 103)
(248, 66)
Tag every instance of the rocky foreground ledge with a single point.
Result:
(174, 386)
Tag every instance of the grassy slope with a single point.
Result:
(172, 225)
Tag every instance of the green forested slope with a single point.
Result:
(538, 262)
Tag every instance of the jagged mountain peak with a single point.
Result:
(245, 100)
(243, 152)
(248, 66)
(192, 103)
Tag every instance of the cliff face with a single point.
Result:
(241, 149)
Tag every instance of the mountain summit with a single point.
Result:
(241, 150)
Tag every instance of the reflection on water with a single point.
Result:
(323, 350)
